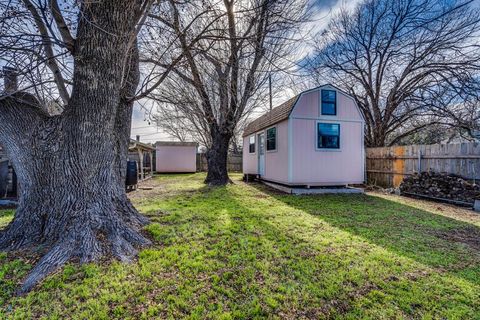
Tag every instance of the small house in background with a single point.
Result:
(313, 139)
(176, 156)
(142, 153)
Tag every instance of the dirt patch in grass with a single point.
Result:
(146, 190)
(447, 210)
(469, 235)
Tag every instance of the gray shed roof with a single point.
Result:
(277, 114)
(176, 143)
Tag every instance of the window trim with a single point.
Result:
(276, 139)
(339, 149)
(335, 103)
(254, 144)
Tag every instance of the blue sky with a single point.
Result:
(322, 4)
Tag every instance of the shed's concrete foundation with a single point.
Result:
(316, 190)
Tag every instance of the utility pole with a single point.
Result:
(270, 89)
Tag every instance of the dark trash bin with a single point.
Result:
(132, 175)
(3, 178)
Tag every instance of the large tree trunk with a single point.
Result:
(70, 167)
(378, 136)
(217, 159)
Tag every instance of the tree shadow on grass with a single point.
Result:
(434, 240)
(254, 264)
(271, 249)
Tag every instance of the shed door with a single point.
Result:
(261, 154)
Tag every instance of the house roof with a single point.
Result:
(276, 115)
(176, 143)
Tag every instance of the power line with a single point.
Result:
(145, 133)
(146, 127)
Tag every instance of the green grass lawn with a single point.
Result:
(247, 252)
(5, 217)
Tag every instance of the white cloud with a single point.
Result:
(324, 11)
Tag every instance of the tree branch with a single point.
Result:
(48, 47)
(62, 26)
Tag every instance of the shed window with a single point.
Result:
(251, 144)
(328, 136)
(271, 139)
(329, 102)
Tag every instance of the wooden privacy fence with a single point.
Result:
(388, 166)
(234, 162)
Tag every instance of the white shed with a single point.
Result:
(176, 156)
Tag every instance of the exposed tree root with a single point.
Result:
(55, 258)
(114, 234)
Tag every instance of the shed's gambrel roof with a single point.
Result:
(279, 113)
(282, 112)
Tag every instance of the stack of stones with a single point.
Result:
(442, 186)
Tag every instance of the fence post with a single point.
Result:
(419, 167)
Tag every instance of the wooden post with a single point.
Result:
(150, 155)
(140, 157)
(419, 165)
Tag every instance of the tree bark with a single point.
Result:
(379, 136)
(71, 167)
(217, 156)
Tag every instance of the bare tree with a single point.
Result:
(400, 60)
(71, 165)
(226, 50)
(175, 124)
